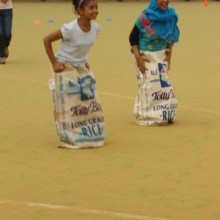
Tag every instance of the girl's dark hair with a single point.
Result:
(76, 4)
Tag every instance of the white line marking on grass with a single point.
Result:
(114, 95)
(182, 106)
(200, 110)
(82, 210)
(24, 79)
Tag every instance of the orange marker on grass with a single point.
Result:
(206, 3)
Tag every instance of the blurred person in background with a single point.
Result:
(6, 15)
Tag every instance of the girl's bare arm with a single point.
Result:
(57, 35)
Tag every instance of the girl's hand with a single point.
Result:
(169, 55)
(168, 59)
(87, 66)
(141, 60)
(168, 65)
(58, 67)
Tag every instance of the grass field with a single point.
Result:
(143, 173)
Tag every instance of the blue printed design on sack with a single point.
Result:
(91, 130)
(87, 87)
(84, 86)
(164, 81)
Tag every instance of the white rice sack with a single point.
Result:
(77, 111)
(155, 103)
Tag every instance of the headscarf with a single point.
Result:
(163, 22)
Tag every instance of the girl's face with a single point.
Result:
(90, 10)
(162, 4)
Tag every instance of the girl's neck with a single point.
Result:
(84, 24)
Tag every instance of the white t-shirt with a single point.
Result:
(7, 5)
(76, 43)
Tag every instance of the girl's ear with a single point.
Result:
(80, 11)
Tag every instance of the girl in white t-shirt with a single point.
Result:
(6, 15)
(77, 37)
(78, 114)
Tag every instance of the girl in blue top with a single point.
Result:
(151, 40)
(155, 29)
